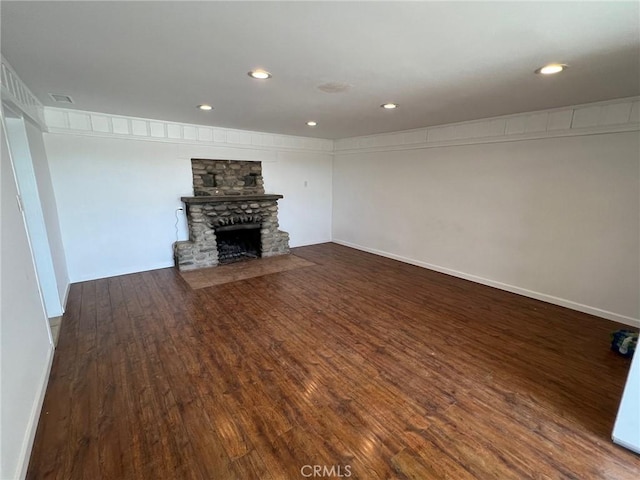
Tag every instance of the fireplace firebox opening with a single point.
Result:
(238, 242)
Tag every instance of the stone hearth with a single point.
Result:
(238, 206)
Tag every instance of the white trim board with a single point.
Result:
(127, 271)
(634, 322)
(62, 120)
(620, 115)
(66, 297)
(15, 91)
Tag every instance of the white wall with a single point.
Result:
(305, 181)
(117, 197)
(25, 345)
(49, 209)
(553, 218)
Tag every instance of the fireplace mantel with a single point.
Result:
(230, 198)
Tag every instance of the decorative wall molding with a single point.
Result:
(621, 115)
(77, 122)
(15, 91)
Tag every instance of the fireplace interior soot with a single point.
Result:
(238, 242)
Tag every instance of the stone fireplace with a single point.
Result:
(230, 217)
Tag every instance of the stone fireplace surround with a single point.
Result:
(236, 205)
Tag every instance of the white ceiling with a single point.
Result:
(442, 62)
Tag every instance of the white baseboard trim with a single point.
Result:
(66, 297)
(633, 322)
(307, 243)
(627, 445)
(127, 271)
(27, 446)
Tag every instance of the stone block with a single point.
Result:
(208, 180)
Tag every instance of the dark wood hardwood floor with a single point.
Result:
(361, 366)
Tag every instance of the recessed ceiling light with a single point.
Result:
(206, 107)
(259, 74)
(311, 123)
(551, 68)
(389, 106)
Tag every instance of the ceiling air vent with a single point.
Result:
(335, 87)
(61, 98)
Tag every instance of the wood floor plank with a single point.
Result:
(82, 455)
(115, 458)
(392, 370)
